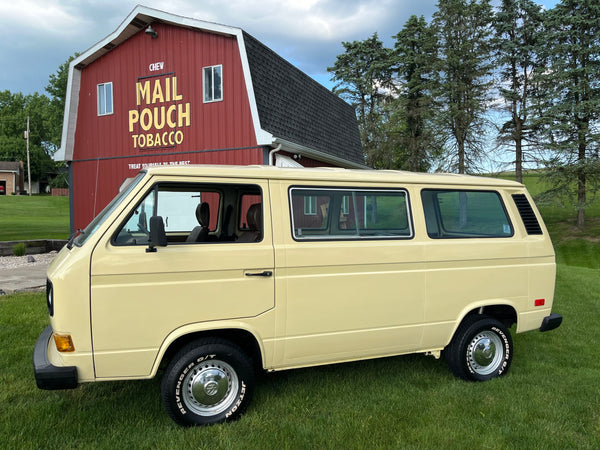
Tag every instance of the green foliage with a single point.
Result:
(19, 249)
(362, 75)
(57, 88)
(14, 110)
(463, 77)
(518, 24)
(45, 117)
(60, 181)
(568, 100)
(411, 128)
(424, 105)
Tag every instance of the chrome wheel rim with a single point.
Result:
(210, 388)
(484, 353)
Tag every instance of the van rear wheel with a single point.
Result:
(480, 350)
(208, 381)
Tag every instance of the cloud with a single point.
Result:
(38, 35)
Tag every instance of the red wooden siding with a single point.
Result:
(105, 150)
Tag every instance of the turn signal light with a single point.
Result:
(63, 343)
(540, 302)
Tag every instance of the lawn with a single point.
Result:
(35, 217)
(549, 398)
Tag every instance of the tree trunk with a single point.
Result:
(581, 200)
(461, 156)
(518, 149)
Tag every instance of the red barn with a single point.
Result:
(165, 89)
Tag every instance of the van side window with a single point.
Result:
(193, 213)
(349, 214)
(465, 214)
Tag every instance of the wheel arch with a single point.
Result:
(243, 338)
(503, 312)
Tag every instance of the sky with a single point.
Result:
(37, 36)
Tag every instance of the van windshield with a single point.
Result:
(85, 234)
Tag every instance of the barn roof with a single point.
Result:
(288, 107)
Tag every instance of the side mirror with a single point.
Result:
(158, 237)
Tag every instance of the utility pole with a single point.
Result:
(28, 167)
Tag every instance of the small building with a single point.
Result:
(12, 177)
(169, 90)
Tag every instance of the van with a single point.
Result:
(211, 273)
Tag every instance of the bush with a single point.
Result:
(19, 249)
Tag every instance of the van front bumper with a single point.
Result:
(551, 322)
(48, 376)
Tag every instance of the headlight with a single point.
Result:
(50, 297)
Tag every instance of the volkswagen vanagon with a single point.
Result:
(208, 274)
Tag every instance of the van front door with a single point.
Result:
(205, 273)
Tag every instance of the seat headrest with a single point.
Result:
(203, 214)
(254, 217)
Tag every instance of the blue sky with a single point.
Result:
(36, 36)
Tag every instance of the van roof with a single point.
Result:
(329, 174)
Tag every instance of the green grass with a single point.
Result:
(549, 398)
(35, 217)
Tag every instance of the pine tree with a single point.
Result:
(463, 76)
(413, 62)
(569, 99)
(518, 24)
(362, 74)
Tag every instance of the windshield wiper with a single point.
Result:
(72, 238)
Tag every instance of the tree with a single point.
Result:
(413, 62)
(518, 25)
(14, 110)
(362, 74)
(57, 88)
(569, 99)
(463, 76)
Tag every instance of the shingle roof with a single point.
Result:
(293, 106)
(10, 166)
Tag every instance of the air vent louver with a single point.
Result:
(531, 223)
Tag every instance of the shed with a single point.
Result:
(169, 90)
(11, 177)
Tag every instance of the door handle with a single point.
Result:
(264, 273)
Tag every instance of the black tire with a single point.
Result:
(480, 350)
(208, 381)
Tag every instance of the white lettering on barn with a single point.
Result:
(156, 66)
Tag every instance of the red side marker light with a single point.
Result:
(540, 302)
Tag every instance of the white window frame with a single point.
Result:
(107, 101)
(209, 97)
(310, 205)
(346, 205)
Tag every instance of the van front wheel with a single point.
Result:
(208, 381)
(480, 350)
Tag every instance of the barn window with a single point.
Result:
(310, 205)
(105, 99)
(212, 80)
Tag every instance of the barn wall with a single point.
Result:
(159, 114)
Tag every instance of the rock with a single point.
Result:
(30, 259)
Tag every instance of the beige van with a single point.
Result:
(210, 273)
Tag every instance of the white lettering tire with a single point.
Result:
(208, 381)
(480, 350)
